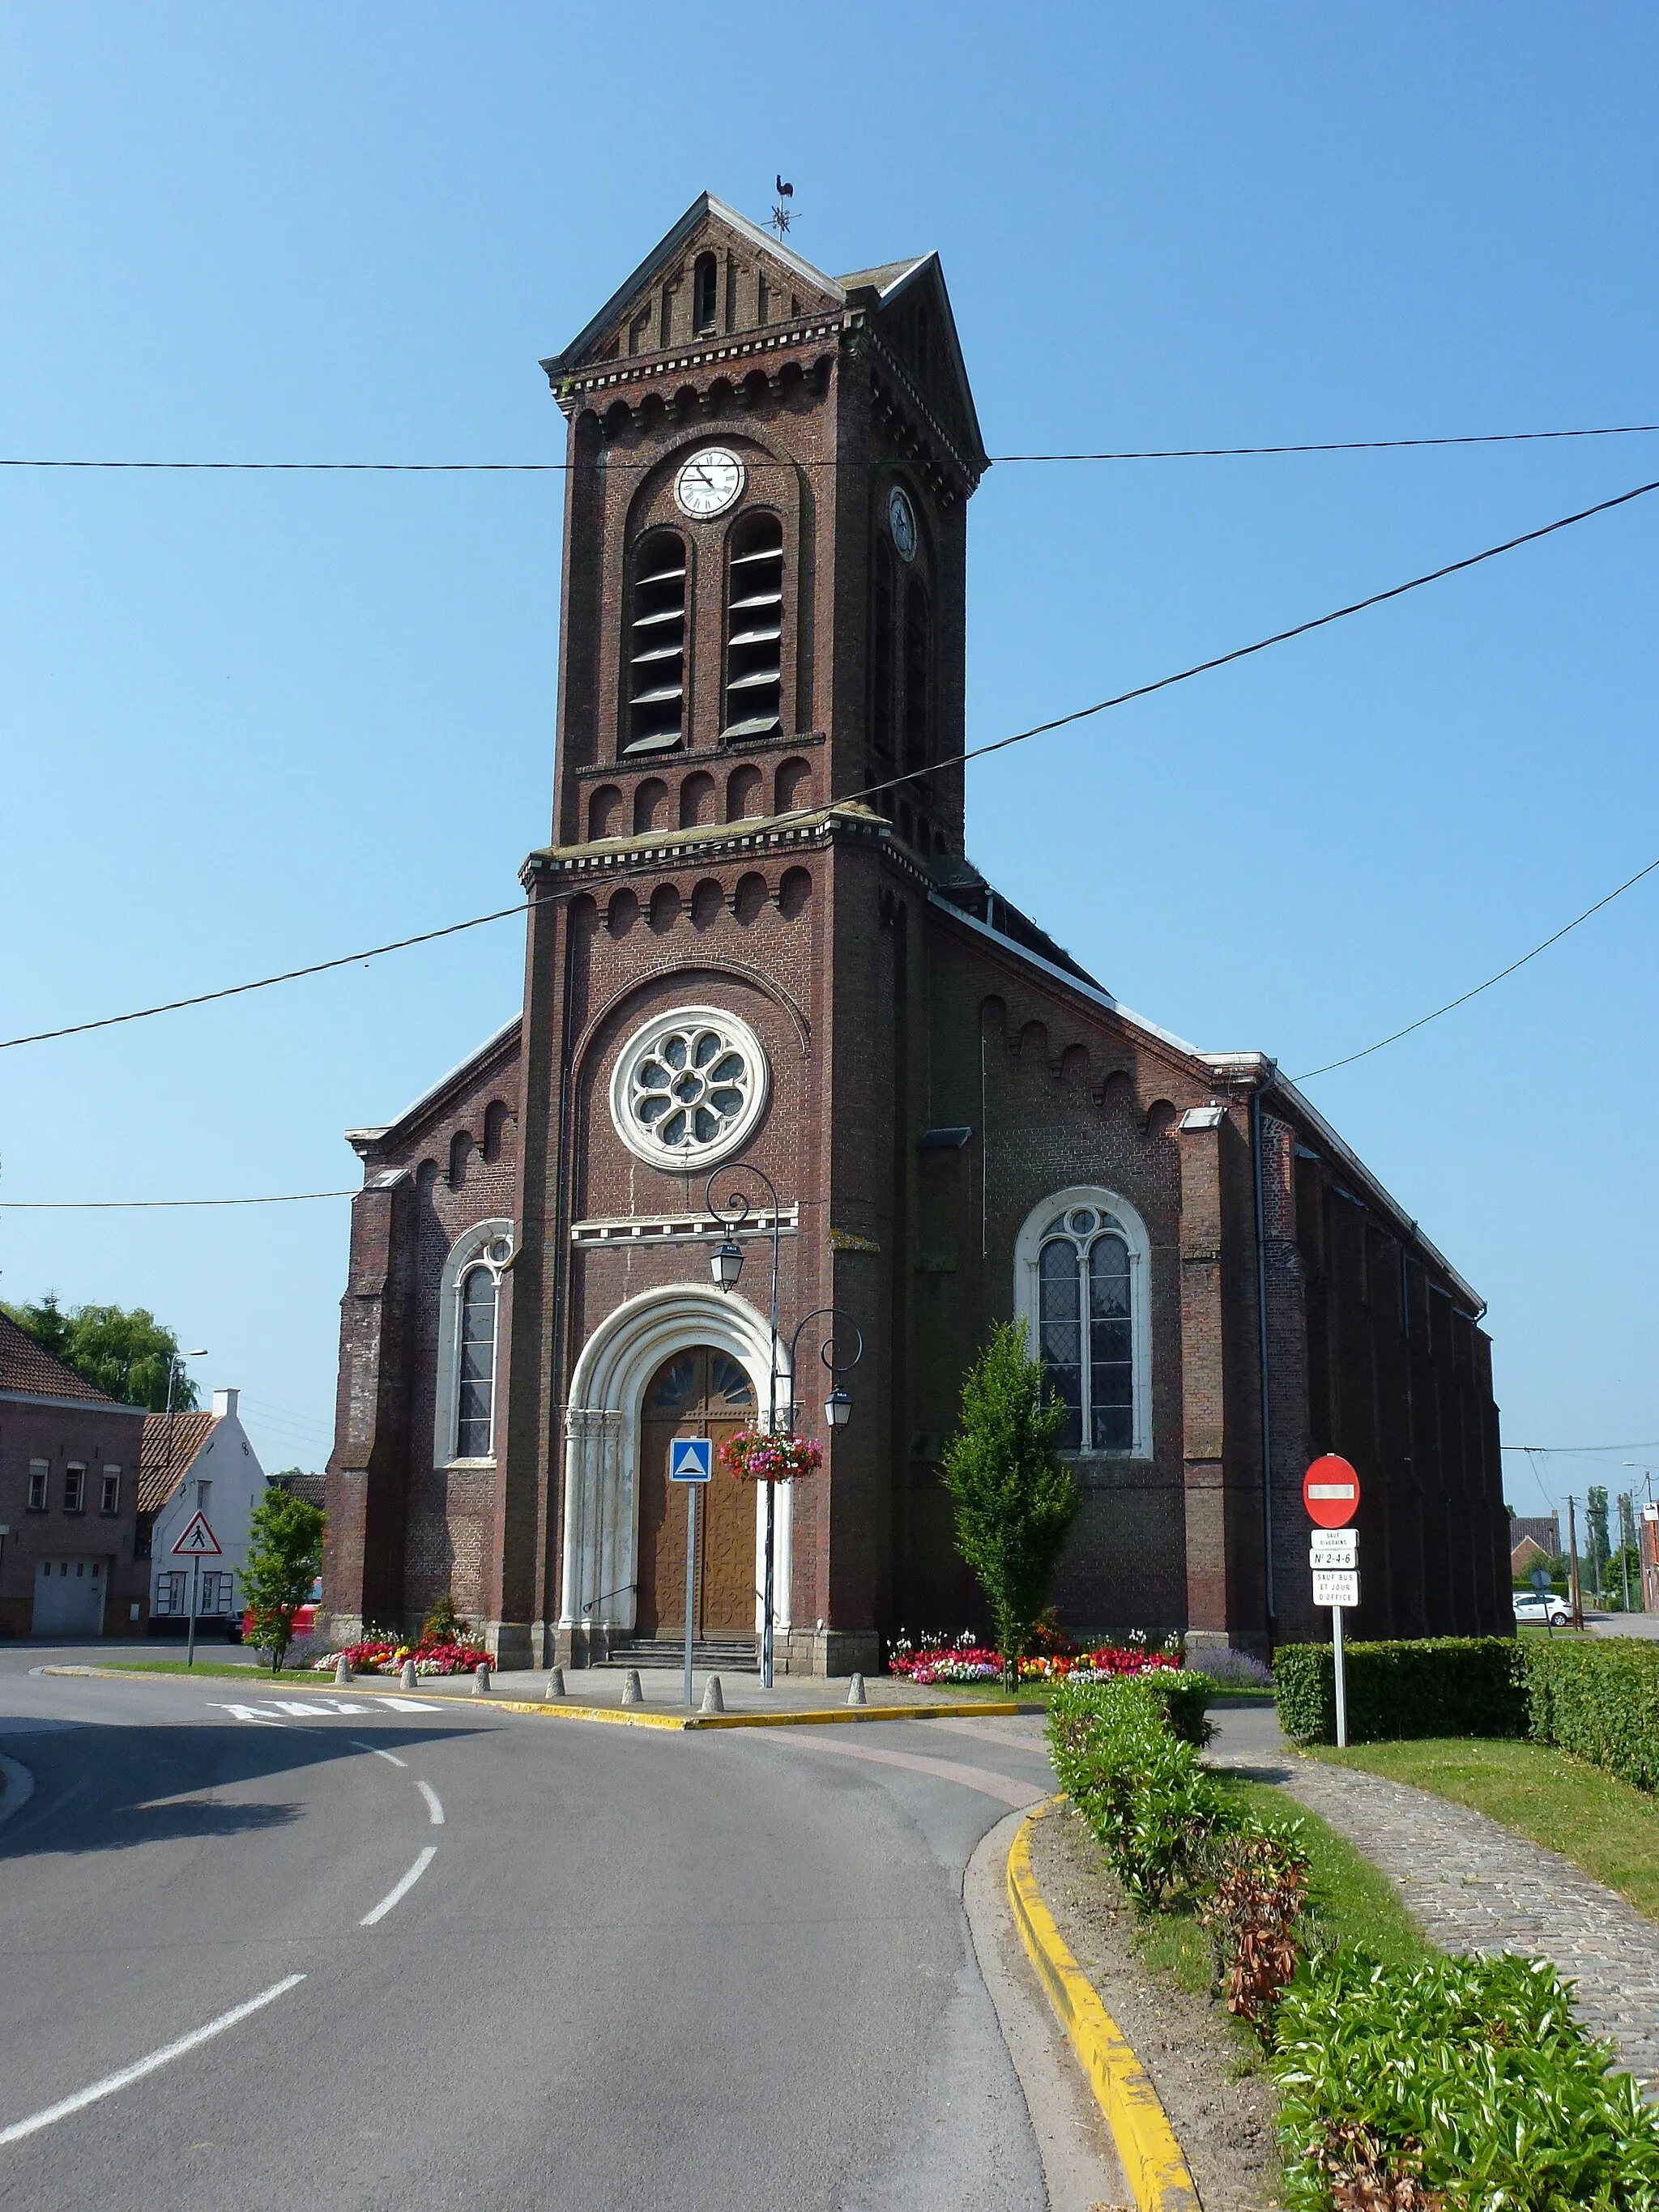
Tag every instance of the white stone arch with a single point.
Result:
(1028, 1244)
(469, 1249)
(600, 1567)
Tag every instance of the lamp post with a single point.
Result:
(726, 1266)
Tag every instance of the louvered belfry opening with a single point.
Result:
(754, 629)
(656, 637)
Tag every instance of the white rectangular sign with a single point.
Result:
(1336, 1586)
(1333, 1547)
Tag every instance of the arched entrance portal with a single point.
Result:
(699, 1392)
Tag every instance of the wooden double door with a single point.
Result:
(697, 1393)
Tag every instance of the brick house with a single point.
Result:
(756, 947)
(69, 1496)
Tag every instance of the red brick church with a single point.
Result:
(756, 948)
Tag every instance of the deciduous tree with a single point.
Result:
(284, 1557)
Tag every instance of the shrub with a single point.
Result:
(1434, 1686)
(1598, 1701)
(1151, 1805)
(1236, 1670)
(1465, 2082)
(1253, 1914)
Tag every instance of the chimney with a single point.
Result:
(224, 1404)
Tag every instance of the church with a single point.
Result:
(799, 1105)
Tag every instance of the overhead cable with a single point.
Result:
(1002, 460)
(971, 753)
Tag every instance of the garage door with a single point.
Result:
(68, 1597)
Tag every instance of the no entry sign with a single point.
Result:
(1330, 1490)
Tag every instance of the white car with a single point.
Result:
(1542, 1606)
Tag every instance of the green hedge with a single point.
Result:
(1437, 1686)
(1470, 2073)
(1598, 1701)
(1154, 1808)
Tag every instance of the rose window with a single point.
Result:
(689, 1088)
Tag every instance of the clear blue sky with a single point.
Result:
(251, 721)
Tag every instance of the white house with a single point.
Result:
(197, 1463)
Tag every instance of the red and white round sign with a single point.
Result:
(1330, 1490)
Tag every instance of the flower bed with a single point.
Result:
(764, 1456)
(379, 1656)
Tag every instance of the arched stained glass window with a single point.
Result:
(475, 1395)
(1086, 1332)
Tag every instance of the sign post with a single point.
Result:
(690, 1461)
(1330, 1490)
(197, 1543)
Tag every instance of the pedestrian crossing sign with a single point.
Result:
(197, 1542)
(690, 1459)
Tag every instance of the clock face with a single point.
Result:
(901, 522)
(708, 483)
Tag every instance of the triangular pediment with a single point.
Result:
(757, 281)
(912, 313)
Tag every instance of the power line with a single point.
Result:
(971, 753)
(1651, 1445)
(1423, 1020)
(262, 983)
(121, 1205)
(1002, 460)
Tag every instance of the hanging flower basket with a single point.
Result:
(757, 1456)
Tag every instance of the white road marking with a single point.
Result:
(303, 1711)
(409, 1704)
(433, 1805)
(390, 1757)
(246, 1713)
(136, 2072)
(400, 1890)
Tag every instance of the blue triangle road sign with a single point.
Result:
(690, 1459)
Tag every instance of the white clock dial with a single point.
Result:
(901, 523)
(708, 483)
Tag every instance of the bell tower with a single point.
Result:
(764, 548)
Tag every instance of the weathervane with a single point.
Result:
(780, 214)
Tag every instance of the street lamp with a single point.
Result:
(725, 1265)
(838, 1408)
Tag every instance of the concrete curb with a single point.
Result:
(1152, 2157)
(616, 1716)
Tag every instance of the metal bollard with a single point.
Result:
(343, 1668)
(632, 1694)
(481, 1681)
(556, 1683)
(406, 1674)
(713, 1700)
(855, 1692)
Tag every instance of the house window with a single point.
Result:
(754, 629)
(1081, 1287)
(172, 1593)
(656, 647)
(143, 1535)
(74, 1490)
(110, 1499)
(475, 1393)
(38, 1474)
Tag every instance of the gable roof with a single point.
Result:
(894, 284)
(664, 251)
(167, 1454)
(29, 1369)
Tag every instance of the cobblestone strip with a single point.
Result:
(1472, 1886)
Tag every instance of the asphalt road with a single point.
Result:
(634, 1968)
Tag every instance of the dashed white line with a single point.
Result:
(433, 1805)
(390, 1757)
(136, 2072)
(400, 1890)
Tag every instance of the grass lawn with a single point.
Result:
(239, 1670)
(1351, 1901)
(1600, 1823)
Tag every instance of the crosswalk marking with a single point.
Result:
(272, 1712)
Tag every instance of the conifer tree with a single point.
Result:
(1014, 1501)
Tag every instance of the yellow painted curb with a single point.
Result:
(617, 1716)
(1152, 2157)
